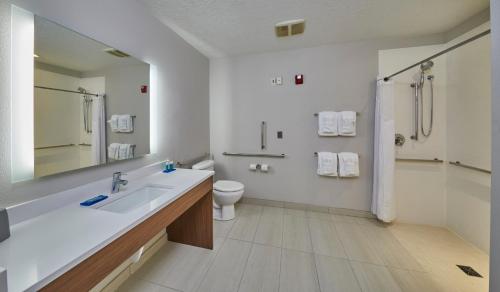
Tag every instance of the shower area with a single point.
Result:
(442, 120)
(63, 111)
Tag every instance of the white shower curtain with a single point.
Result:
(383, 200)
(98, 130)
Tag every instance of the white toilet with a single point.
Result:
(226, 193)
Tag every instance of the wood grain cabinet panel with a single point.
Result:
(188, 220)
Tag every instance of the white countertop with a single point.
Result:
(42, 248)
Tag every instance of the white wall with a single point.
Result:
(56, 112)
(417, 202)
(337, 77)
(183, 85)
(469, 138)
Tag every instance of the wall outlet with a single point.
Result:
(277, 80)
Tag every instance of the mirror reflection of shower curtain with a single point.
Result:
(87, 114)
(98, 130)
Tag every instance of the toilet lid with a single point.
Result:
(228, 186)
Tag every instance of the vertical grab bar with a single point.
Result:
(263, 132)
(415, 87)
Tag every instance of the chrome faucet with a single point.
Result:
(117, 182)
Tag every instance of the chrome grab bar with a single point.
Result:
(263, 134)
(254, 155)
(317, 114)
(458, 163)
(435, 160)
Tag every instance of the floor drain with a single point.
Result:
(469, 271)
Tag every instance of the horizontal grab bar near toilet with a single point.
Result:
(255, 155)
(317, 114)
(435, 160)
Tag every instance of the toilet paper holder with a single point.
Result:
(258, 166)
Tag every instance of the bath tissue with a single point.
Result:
(253, 167)
(264, 167)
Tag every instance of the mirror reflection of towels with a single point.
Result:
(121, 123)
(113, 123)
(125, 123)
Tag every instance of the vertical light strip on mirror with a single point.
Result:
(153, 109)
(22, 81)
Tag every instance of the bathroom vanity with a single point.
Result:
(72, 248)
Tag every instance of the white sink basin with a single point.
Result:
(136, 199)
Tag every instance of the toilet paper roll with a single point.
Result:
(264, 167)
(253, 166)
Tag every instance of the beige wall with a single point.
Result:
(337, 77)
(56, 113)
(469, 139)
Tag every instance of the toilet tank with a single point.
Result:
(204, 165)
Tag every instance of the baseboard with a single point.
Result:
(307, 207)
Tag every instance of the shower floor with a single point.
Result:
(278, 249)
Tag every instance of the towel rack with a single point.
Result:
(435, 160)
(254, 155)
(459, 164)
(317, 114)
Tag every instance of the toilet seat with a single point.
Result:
(228, 186)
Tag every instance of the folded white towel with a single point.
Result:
(347, 123)
(348, 164)
(125, 123)
(113, 151)
(113, 123)
(328, 124)
(327, 164)
(124, 151)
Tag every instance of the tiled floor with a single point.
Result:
(286, 250)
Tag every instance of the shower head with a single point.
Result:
(426, 66)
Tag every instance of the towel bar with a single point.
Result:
(255, 155)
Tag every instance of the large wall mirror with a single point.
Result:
(91, 102)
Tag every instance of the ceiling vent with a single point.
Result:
(116, 53)
(290, 27)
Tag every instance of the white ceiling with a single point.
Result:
(61, 47)
(232, 27)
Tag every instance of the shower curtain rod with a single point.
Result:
(65, 90)
(480, 35)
